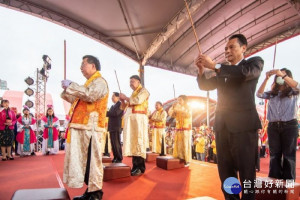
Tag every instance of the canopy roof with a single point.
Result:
(161, 31)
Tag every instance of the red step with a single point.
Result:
(115, 170)
(168, 162)
(151, 156)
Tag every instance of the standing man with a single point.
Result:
(114, 127)
(83, 160)
(236, 120)
(159, 118)
(136, 125)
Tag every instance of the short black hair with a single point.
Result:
(136, 77)
(241, 39)
(4, 101)
(159, 103)
(93, 60)
(116, 94)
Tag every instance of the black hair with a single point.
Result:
(93, 60)
(3, 101)
(241, 39)
(116, 94)
(287, 90)
(136, 77)
(159, 103)
(47, 112)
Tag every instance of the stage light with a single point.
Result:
(29, 81)
(29, 104)
(197, 105)
(29, 92)
(47, 62)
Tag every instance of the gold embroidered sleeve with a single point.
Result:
(172, 112)
(159, 117)
(95, 91)
(69, 98)
(140, 98)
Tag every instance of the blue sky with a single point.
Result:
(25, 38)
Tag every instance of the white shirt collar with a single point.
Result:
(239, 61)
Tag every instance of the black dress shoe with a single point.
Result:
(85, 196)
(97, 195)
(33, 154)
(136, 172)
(118, 161)
(114, 160)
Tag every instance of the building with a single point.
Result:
(3, 85)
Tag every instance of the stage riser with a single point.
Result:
(106, 159)
(37, 194)
(115, 170)
(151, 156)
(168, 163)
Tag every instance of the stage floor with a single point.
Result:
(197, 180)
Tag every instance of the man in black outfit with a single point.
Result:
(236, 118)
(114, 127)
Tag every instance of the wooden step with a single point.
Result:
(106, 159)
(151, 156)
(168, 162)
(45, 193)
(115, 170)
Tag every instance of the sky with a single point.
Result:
(25, 39)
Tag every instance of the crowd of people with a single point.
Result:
(19, 134)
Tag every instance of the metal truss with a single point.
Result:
(178, 20)
(271, 41)
(55, 17)
(229, 21)
(171, 67)
(291, 32)
(40, 102)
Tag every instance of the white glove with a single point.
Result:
(65, 83)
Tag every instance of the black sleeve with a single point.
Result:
(115, 112)
(207, 84)
(248, 70)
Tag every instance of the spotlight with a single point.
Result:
(47, 62)
(29, 104)
(29, 92)
(29, 81)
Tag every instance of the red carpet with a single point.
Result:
(200, 179)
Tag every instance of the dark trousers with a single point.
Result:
(88, 163)
(138, 162)
(87, 169)
(16, 144)
(162, 150)
(283, 143)
(116, 145)
(263, 151)
(258, 160)
(237, 152)
(106, 153)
